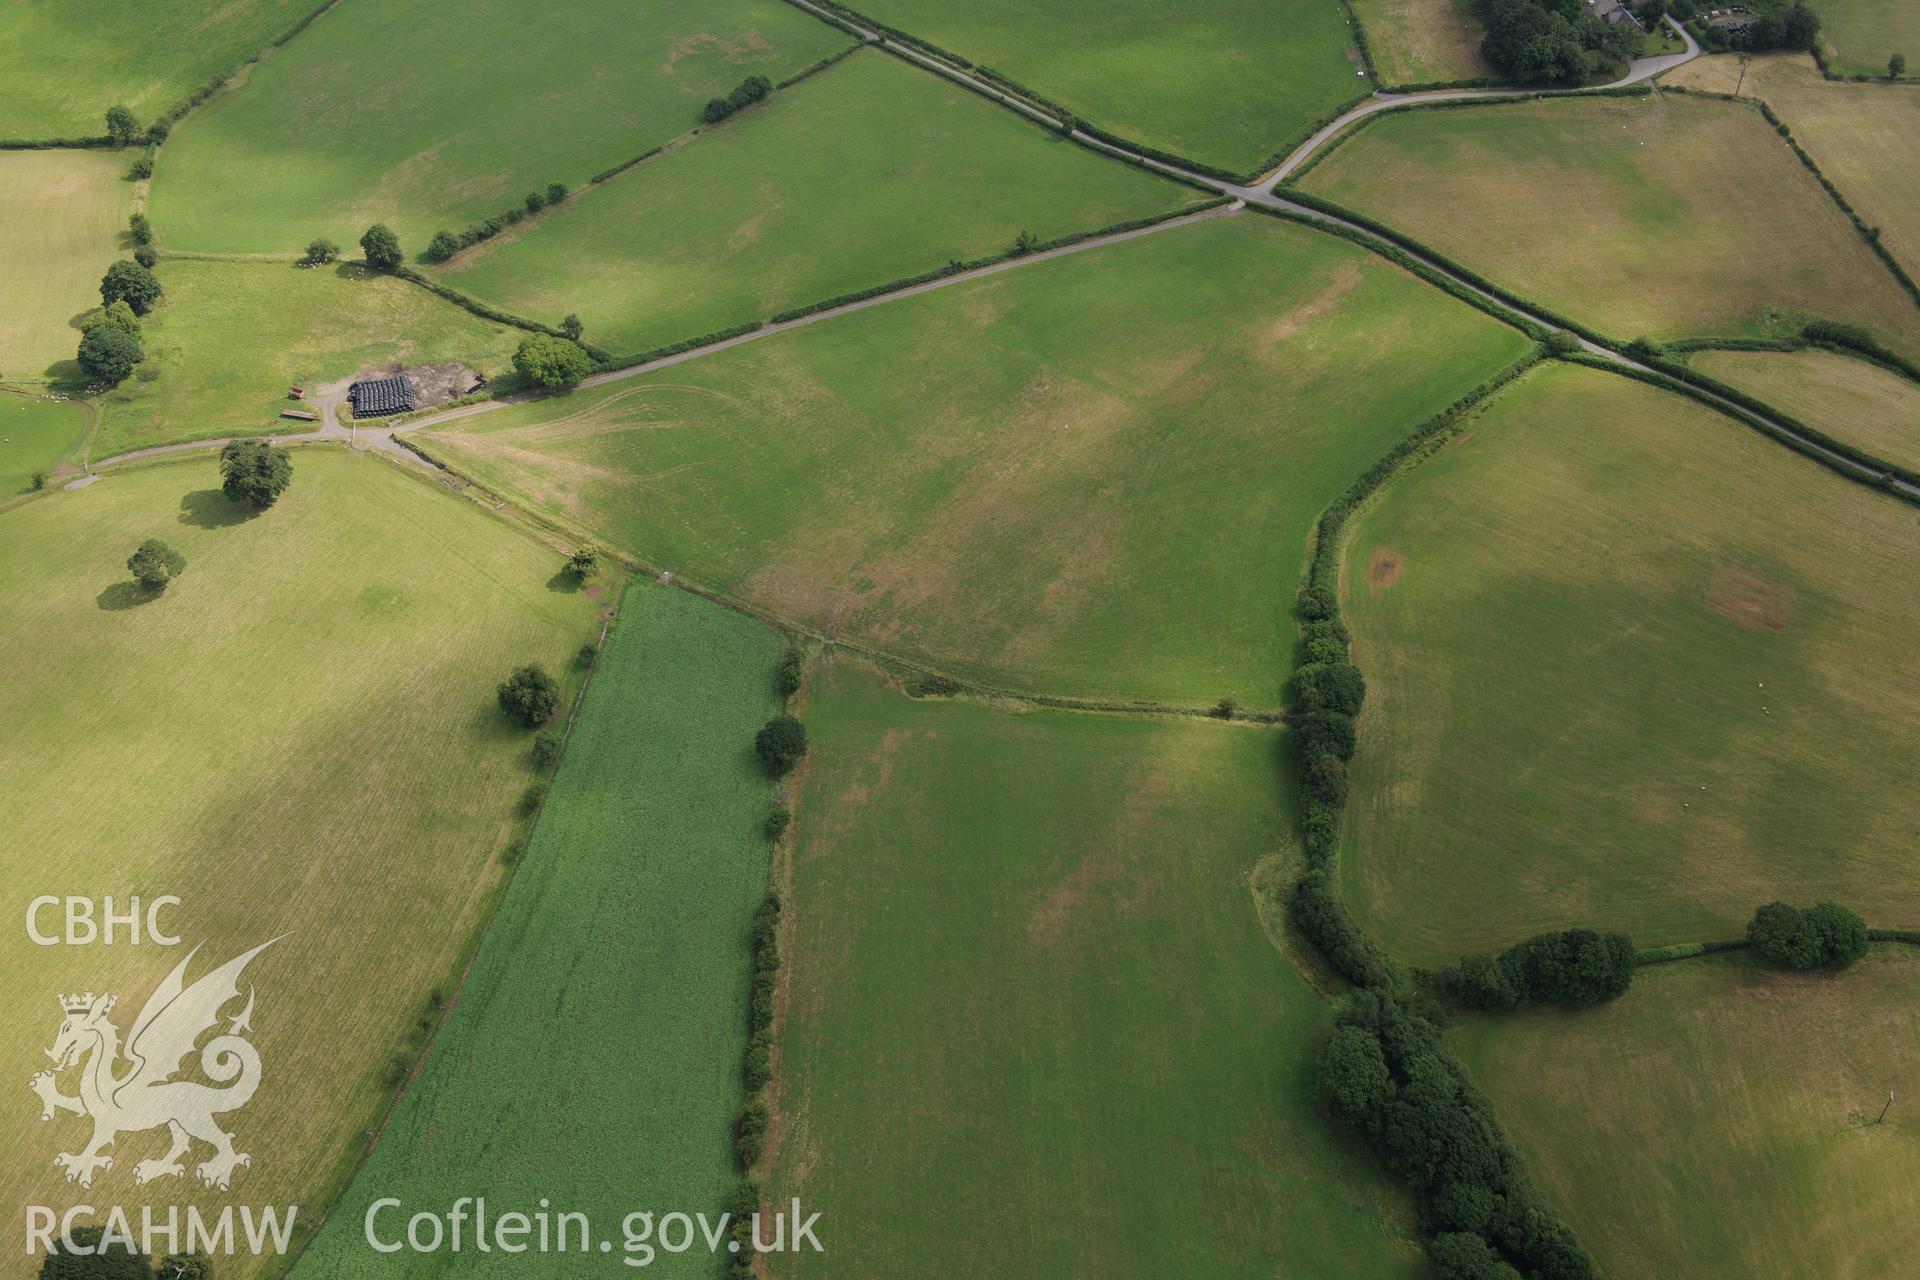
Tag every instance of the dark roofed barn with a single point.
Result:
(381, 397)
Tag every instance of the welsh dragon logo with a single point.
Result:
(145, 1094)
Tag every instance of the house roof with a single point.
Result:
(378, 397)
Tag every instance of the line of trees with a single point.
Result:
(1384, 1074)
(1575, 967)
(447, 243)
(748, 92)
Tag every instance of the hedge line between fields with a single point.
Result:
(1762, 420)
(1446, 264)
(1689, 950)
(1435, 1130)
(1495, 307)
(1880, 467)
(486, 311)
(1868, 233)
(975, 264)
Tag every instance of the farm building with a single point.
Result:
(381, 397)
(1612, 12)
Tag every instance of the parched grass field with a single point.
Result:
(1716, 1122)
(229, 338)
(434, 114)
(63, 215)
(1668, 216)
(1092, 475)
(1034, 1024)
(1850, 400)
(299, 737)
(1861, 35)
(866, 173)
(62, 65)
(1630, 665)
(36, 434)
(594, 1056)
(1864, 137)
(1226, 82)
(1421, 41)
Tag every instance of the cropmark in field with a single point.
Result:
(1092, 475)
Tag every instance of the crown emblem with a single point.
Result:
(80, 1003)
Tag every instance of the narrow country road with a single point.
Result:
(1262, 192)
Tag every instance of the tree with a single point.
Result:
(529, 695)
(535, 202)
(1806, 938)
(154, 564)
(780, 744)
(121, 126)
(1024, 243)
(119, 315)
(786, 676)
(1354, 1076)
(443, 246)
(572, 327)
(142, 167)
(108, 353)
(132, 282)
(254, 472)
(113, 1260)
(546, 747)
(381, 247)
(1896, 66)
(1461, 1255)
(583, 562)
(146, 256)
(551, 363)
(556, 192)
(1330, 686)
(140, 228)
(1325, 779)
(320, 252)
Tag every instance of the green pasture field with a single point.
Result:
(230, 338)
(1671, 217)
(869, 172)
(1028, 984)
(594, 1056)
(298, 738)
(1717, 1121)
(1226, 82)
(1850, 400)
(1093, 475)
(1421, 41)
(36, 435)
(62, 65)
(63, 217)
(1861, 35)
(435, 114)
(1864, 137)
(1630, 665)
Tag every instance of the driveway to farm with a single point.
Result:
(387, 440)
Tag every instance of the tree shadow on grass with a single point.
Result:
(125, 595)
(564, 581)
(212, 509)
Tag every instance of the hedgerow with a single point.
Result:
(975, 264)
(447, 243)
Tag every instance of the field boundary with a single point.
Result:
(1315, 903)
(470, 951)
(1869, 234)
(921, 680)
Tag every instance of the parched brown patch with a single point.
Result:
(1383, 568)
(1749, 600)
(594, 592)
(1285, 326)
